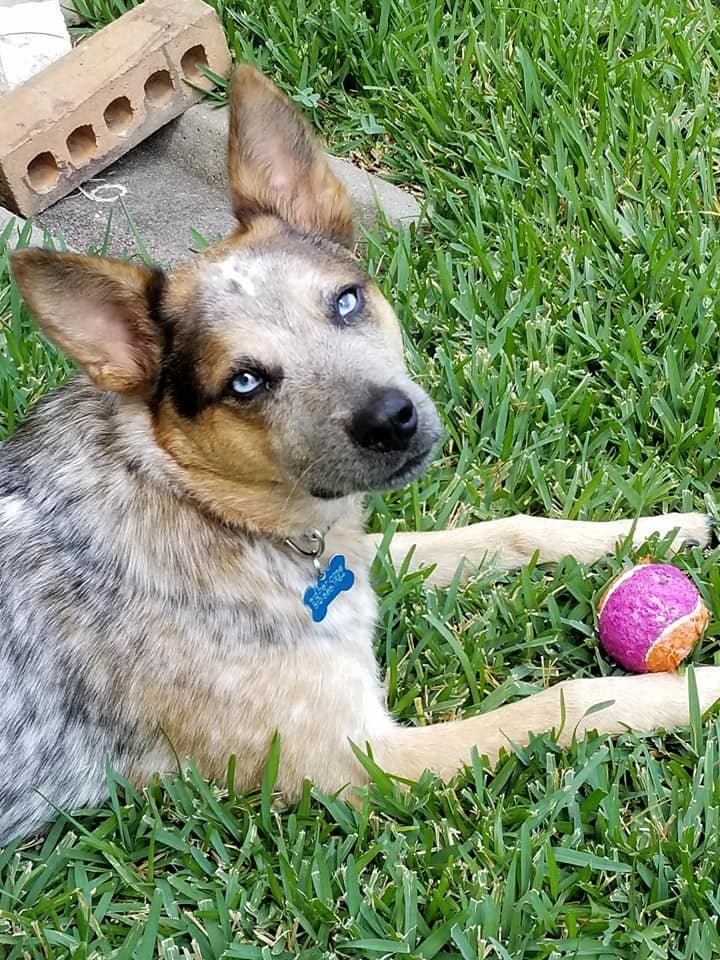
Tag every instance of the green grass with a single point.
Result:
(562, 309)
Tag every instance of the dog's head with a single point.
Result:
(271, 363)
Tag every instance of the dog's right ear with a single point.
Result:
(100, 312)
(276, 165)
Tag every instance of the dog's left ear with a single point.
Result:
(276, 164)
(100, 312)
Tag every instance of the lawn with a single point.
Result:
(561, 307)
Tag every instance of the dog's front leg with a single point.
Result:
(513, 541)
(610, 705)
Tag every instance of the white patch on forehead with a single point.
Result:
(237, 273)
(11, 508)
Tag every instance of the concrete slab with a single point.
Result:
(175, 182)
(70, 14)
(19, 227)
(140, 201)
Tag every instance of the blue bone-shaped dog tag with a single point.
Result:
(329, 585)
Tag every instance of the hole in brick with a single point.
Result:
(194, 58)
(159, 88)
(43, 172)
(118, 116)
(81, 145)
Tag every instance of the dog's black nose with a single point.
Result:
(388, 422)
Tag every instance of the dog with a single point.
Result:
(182, 558)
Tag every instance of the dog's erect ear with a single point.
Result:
(276, 165)
(99, 312)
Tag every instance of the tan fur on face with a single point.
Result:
(228, 467)
(266, 300)
(385, 317)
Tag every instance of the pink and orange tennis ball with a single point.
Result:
(650, 617)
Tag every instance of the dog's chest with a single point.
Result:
(223, 674)
(262, 595)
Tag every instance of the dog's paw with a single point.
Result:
(690, 529)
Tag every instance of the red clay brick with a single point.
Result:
(81, 113)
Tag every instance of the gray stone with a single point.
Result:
(72, 17)
(375, 198)
(175, 182)
(35, 238)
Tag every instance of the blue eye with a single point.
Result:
(246, 383)
(348, 303)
